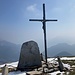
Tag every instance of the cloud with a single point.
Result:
(32, 8)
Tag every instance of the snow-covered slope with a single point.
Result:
(51, 60)
(16, 73)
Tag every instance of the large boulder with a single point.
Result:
(29, 56)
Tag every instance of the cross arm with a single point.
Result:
(41, 20)
(50, 20)
(35, 20)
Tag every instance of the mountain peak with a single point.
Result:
(61, 49)
(63, 53)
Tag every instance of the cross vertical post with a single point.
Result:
(44, 29)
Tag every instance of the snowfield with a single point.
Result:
(16, 73)
(51, 60)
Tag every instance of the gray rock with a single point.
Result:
(61, 67)
(29, 56)
(5, 70)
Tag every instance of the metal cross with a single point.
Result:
(44, 28)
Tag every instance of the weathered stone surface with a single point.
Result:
(5, 70)
(61, 67)
(29, 56)
(34, 73)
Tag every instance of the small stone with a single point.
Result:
(5, 70)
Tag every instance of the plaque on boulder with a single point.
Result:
(29, 56)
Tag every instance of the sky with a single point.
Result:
(15, 26)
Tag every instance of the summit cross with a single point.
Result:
(44, 20)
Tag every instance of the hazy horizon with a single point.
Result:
(15, 26)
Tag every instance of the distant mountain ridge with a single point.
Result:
(8, 51)
(61, 49)
(63, 53)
